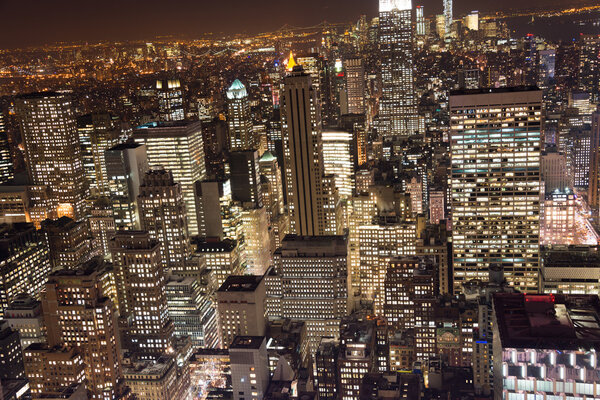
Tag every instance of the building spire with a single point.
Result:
(291, 62)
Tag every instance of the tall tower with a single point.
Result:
(52, 149)
(163, 215)
(398, 104)
(448, 15)
(241, 136)
(141, 281)
(355, 85)
(312, 200)
(495, 147)
(170, 99)
(78, 314)
(6, 163)
(178, 147)
(421, 26)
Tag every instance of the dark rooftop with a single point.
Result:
(247, 342)
(463, 92)
(241, 283)
(561, 322)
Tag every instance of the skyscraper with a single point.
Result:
(355, 84)
(448, 15)
(495, 148)
(6, 163)
(78, 314)
(97, 133)
(398, 105)
(52, 149)
(69, 242)
(126, 164)
(141, 281)
(178, 147)
(313, 204)
(239, 118)
(170, 99)
(421, 25)
(164, 217)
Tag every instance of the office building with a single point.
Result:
(24, 262)
(573, 269)
(245, 178)
(177, 147)
(191, 309)
(594, 183)
(448, 16)
(241, 302)
(313, 203)
(421, 22)
(249, 367)
(589, 66)
(338, 160)
(355, 84)
(54, 372)
(310, 282)
(140, 281)
(543, 347)
(24, 314)
(222, 257)
(6, 161)
(163, 215)
(157, 379)
(357, 355)
(78, 314)
(69, 242)
(102, 226)
(326, 376)
(398, 114)
(553, 170)
(239, 118)
(378, 244)
(126, 164)
(52, 151)
(169, 93)
(482, 197)
(218, 216)
(11, 355)
(97, 133)
(257, 242)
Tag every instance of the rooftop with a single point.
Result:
(561, 322)
(247, 342)
(463, 92)
(241, 283)
(237, 90)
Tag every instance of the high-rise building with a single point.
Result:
(553, 170)
(11, 355)
(241, 302)
(191, 310)
(222, 257)
(245, 178)
(170, 99)
(78, 314)
(239, 118)
(378, 244)
(54, 372)
(309, 282)
(541, 347)
(177, 147)
(97, 133)
(273, 187)
(126, 165)
(437, 206)
(355, 84)
(313, 203)
(159, 378)
(249, 367)
(496, 206)
(589, 66)
(326, 376)
(357, 355)
(102, 226)
(257, 243)
(6, 163)
(398, 104)
(24, 262)
(421, 24)
(472, 21)
(52, 150)
(69, 242)
(164, 217)
(594, 184)
(218, 216)
(141, 280)
(25, 315)
(448, 15)
(338, 160)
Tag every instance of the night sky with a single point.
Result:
(35, 22)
